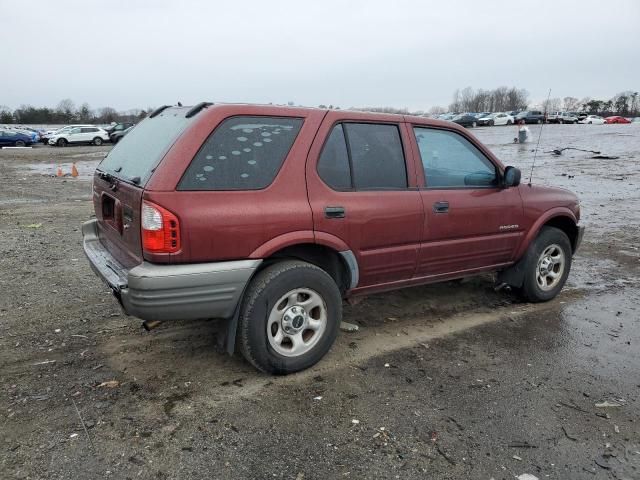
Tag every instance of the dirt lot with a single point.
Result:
(448, 381)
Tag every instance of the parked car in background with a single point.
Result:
(116, 136)
(496, 119)
(481, 114)
(50, 133)
(79, 135)
(616, 119)
(593, 120)
(278, 280)
(118, 127)
(13, 138)
(562, 117)
(466, 120)
(531, 116)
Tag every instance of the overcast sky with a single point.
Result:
(134, 53)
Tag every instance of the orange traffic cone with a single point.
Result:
(59, 172)
(74, 170)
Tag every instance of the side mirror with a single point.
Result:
(512, 177)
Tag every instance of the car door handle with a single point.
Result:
(441, 207)
(334, 212)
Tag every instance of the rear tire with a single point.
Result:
(61, 142)
(97, 141)
(20, 143)
(285, 307)
(539, 121)
(547, 265)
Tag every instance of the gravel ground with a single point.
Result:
(446, 381)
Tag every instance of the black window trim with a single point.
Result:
(342, 123)
(284, 160)
(465, 187)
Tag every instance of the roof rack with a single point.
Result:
(158, 111)
(196, 109)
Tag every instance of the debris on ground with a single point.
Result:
(558, 151)
(609, 404)
(109, 384)
(349, 327)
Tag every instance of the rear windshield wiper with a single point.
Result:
(112, 178)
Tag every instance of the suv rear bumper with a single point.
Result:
(166, 292)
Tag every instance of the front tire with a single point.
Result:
(20, 143)
(539, 121)
(547, 265)
(61, 142)
(97, 141)
(289, 317)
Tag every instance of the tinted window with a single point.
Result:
(450, 160)
(144, 146)
(377, 159)
(74, 130)
(243, 153)
(333, 165)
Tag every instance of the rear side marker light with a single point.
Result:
(160, 229)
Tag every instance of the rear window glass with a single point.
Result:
(243, 153)
(139, 152)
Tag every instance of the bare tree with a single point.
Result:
(551, 105)
(66, 110)
(570, 104)
(107, 114)
(84, 113)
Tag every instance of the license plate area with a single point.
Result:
(111, 212)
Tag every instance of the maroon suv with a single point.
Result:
(269, 216)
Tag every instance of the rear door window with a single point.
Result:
(363, 156)
(242, 153)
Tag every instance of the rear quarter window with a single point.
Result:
(242, 153)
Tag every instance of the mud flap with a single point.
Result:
(232, 324)
(514, 275)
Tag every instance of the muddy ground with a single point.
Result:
(450, 381)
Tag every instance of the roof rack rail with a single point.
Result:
(158, 111)
(196, 108)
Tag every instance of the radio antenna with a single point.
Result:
(535, 154)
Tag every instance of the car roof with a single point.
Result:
(291, 110)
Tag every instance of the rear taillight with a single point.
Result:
(160, 229)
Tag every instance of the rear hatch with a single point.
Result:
(120, 179)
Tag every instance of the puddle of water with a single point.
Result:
(608, 189)
(85, 168)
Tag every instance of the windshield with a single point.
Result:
(139, 152)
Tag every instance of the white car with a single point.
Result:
(88, 134)
(499, 118)
(593, 120)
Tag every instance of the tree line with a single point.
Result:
(505, 99)
(67, 113)
(501, 99)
